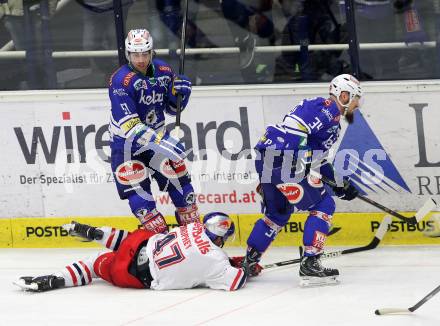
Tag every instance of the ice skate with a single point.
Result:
(312, 273)
(40, 283)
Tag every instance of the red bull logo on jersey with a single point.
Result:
(202, 245)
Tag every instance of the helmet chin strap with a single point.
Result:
(345, 106)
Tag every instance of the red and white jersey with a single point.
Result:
(186, 258)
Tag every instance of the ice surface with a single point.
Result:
(384, 277)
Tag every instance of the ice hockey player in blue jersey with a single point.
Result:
(285, 155)
(141, 92)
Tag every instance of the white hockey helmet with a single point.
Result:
(218, 224)
(138, 40)
(345, 83)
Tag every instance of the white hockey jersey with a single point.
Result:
(186, 258)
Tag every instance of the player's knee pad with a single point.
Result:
(147, 214)
(317, 226)
(264, 232)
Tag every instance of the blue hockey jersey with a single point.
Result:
(138, 100)
(313, 124)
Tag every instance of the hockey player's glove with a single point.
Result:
(162, 143)
(181, 85)
(252, 269)
(347, 191)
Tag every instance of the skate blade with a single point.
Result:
(306, 281)
(26, 287)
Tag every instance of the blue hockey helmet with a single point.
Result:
(218, 224)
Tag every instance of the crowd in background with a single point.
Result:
(41, 27)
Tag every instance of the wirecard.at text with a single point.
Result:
(216, 198)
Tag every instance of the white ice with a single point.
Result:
(384, 277)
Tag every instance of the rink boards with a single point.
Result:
(55, 153)
(348, 229)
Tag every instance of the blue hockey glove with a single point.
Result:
(347, 191)
(181, 85)
(162, 143)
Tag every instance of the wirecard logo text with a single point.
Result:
(80, 133)
(77, 138)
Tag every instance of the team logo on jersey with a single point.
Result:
(333, 129)
(292, 191)
(140, 84)
(361, 153)
(151, 117)
(131, 172)
(163, 81)
(190, 198)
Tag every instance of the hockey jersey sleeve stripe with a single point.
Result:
(239, 280)
(296, 122)
(72, 275)
(126, 118)
(89, 275)
(295, 131)
(113, 123)
(130, 124)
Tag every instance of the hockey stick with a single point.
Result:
(176, 130)
(383, 228)
(429, 205)
(385, 311)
